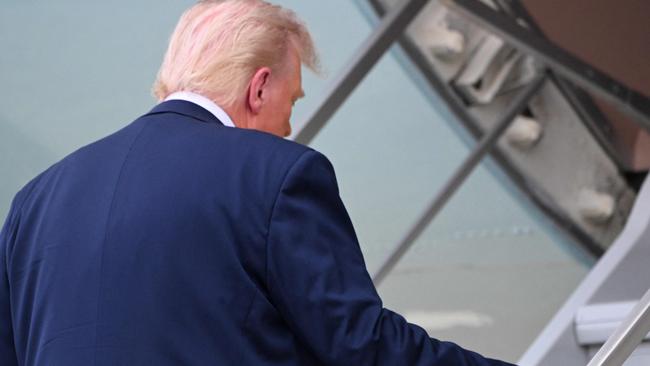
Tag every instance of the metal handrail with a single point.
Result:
(626, 337)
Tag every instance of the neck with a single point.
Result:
(237, 115)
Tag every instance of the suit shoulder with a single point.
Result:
(26, 191)
(268, 142)
(255, 146)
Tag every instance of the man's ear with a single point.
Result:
(258, 89)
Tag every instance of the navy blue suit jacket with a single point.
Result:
(178, 241)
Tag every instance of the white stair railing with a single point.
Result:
(626, 337)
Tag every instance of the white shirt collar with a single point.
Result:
(204, 102)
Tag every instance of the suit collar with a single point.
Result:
(204, 102)
(185, 108)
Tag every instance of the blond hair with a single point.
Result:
(218, 45)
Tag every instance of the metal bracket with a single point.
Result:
(630, 101)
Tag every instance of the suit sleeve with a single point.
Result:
(7, 348)
(317, 278)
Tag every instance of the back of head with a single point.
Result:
(219, 44)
